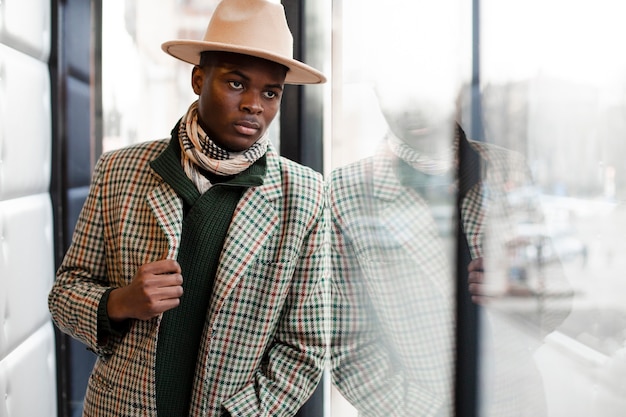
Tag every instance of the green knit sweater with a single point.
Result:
(205, 224)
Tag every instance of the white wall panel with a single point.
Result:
(25, 25)
(27, 345)
(25, 125)
(28, 377)
(4, 296)
(27, 267)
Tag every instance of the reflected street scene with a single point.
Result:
(463, 118)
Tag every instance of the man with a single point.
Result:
(196, 271)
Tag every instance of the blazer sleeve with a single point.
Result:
(296, 358)
(82, 277)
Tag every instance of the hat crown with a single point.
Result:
(250, 27)
(254, 24)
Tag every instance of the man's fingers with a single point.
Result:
(168, 304)
(477, 289)
(169, 292)
(476, 265)
(475, 277)
(167, 280)
(163, 266)
(479, 299)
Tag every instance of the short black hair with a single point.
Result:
(206, 58)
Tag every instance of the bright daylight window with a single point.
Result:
(553, 89)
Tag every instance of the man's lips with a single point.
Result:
(247, 128)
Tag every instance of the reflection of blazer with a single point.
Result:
(263, 347)
(393, 283)
(388, 325)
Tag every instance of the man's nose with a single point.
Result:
(251, 103)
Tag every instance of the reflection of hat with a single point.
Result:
(251, 27)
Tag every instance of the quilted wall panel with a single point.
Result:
(27, 259)
(25, 132)
(28, 375)
(27, 348)
(25, 26)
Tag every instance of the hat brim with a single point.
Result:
(189, 51)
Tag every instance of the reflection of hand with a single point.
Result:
(476, 280)
(155, 288)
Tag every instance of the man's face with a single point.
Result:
(419, 68)
(419, 111)
(239, 96)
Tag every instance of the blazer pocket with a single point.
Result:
(98, 382)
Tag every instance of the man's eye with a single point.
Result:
(235, 84)
(271, 94)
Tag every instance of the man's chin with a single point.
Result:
(428, 140)
(237, 144)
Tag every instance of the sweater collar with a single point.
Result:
(168, 166)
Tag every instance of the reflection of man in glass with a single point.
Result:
(393, 236)
(394, 240)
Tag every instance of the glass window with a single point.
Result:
(399, 71)
(553, 90)
(144, 90)
(545, 211)
(551, 118)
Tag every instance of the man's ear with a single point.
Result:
(197, 78)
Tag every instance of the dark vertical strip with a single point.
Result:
(75, 88)
(477, 129)
(301, 121)
(98, 116)
(467, 387)
(466, 380)
(301, 116)
(291, 124)
(57, 189)
(467, 318)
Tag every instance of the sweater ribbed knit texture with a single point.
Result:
(205, 224)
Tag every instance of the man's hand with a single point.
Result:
(155, 288)
(476, 280)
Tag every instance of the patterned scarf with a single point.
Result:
(200, 151)
(427, 164)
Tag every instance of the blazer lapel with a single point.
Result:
(253, 222)
(167, 208)
(403, 215)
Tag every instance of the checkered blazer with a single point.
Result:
(393, 284)
(264, 343)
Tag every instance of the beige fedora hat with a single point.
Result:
(251, 27)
